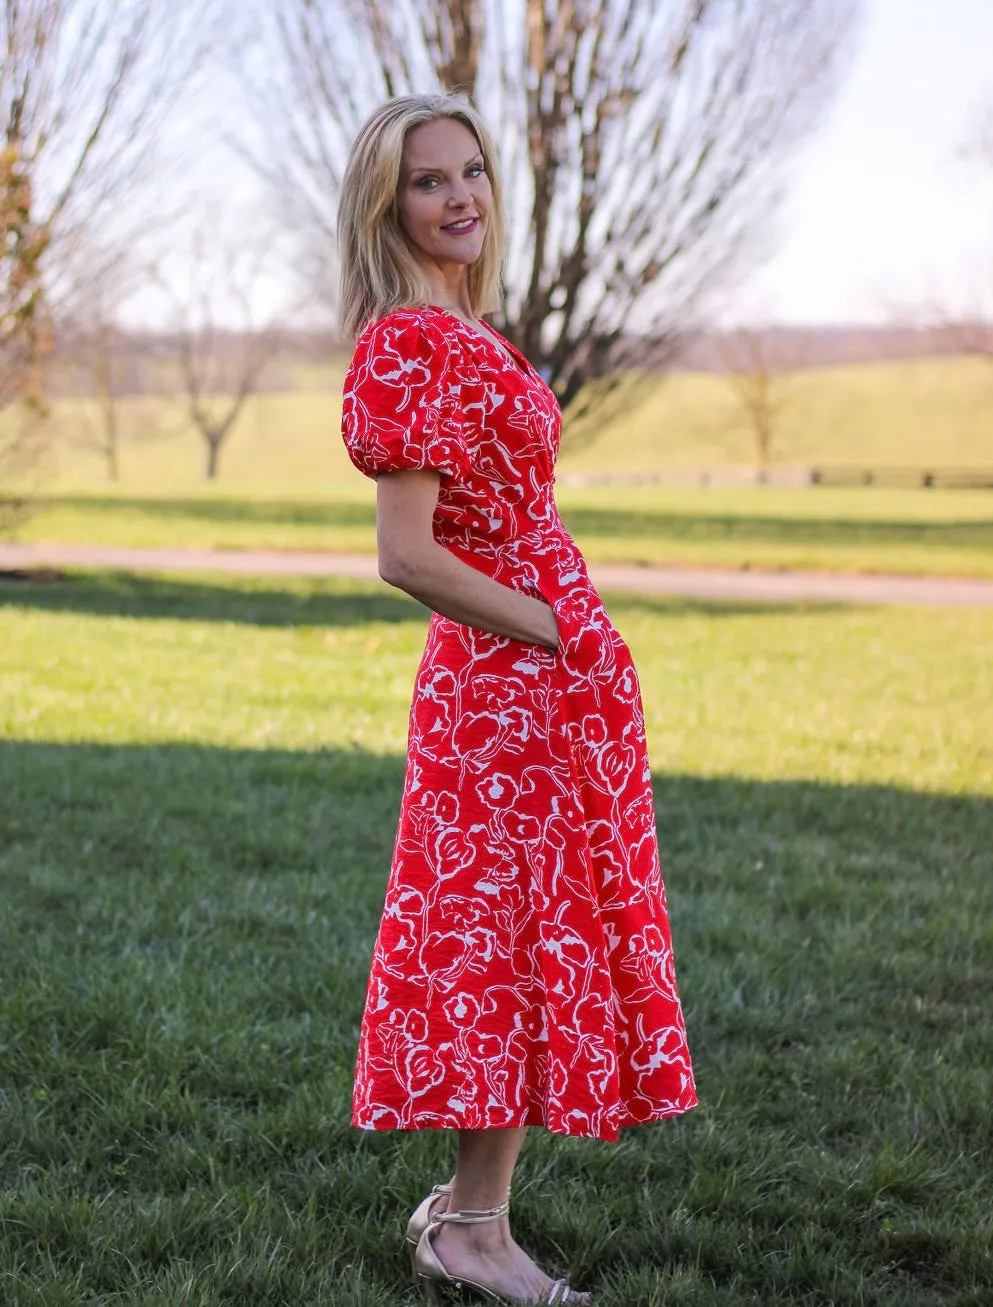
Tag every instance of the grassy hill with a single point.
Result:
(286, 482)
(904, 413)
(909, 412)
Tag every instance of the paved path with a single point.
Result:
(697, 583)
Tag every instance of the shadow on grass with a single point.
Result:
(183, 954)
(803, 860)
(331, 513)
(330, 601)
(585, 522)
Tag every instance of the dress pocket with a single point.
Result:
(575, 630)
(590, 648)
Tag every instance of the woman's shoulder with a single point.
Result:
(408, 343)
(412, 325)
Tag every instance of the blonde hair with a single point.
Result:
(379, 272)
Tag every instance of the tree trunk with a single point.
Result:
(111, 434)
(213, 459)
(763, 437)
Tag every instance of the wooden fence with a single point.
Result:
(932, 478)
(792, 476)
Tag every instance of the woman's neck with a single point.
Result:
(452, 295)
(460, 311)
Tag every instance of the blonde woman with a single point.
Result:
(522, 973)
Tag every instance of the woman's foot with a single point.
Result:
(486, 1254)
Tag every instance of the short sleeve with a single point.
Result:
(401, 406)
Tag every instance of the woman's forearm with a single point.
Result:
(448, 586)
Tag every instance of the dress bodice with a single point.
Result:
(425, 390)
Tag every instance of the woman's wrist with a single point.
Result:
(553, 628)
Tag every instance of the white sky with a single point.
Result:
(883, 216)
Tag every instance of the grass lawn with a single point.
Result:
(909, 413)
(903, 413)
(913, 531)
(286, 482)
(198, 785)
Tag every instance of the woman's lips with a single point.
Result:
(462, 227)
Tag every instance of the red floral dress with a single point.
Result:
(523, 970)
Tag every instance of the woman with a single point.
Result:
(522, 974)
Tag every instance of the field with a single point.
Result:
(286, 482)
(891, 414)
(198, 786)
(914, 531)
(199, 782)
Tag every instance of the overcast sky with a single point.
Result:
(882, 214)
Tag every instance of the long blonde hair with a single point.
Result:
(379, 272)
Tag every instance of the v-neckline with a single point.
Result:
(495, 341)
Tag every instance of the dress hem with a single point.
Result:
(532, 1119)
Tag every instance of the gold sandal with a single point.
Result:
(432, 1273)
(421, 1218)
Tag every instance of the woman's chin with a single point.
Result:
(461, 249)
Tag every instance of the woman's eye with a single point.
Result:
(476, 170)
(426, 183)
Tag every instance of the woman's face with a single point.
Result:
(444, 194)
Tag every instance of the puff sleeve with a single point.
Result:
(401, 406)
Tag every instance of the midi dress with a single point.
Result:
(523, 970)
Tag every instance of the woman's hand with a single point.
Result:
(411, 559)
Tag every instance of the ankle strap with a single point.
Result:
(473, 1218)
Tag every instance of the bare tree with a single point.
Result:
(974, 335)
(643, 142)
(85, 89)
(109, 373)
(98, 367)
(214, 338)
(23, 447)
(967, 327)
(758, 363)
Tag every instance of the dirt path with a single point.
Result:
(697, 583)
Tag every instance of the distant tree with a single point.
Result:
(214, 338)
(643, 143)
(978, 333)
(23, 446)
(108, 371)
(85, 87)
(758, 363)
(968, 329)
(99, 364)
(970, 335)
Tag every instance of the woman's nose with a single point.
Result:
(460, 194)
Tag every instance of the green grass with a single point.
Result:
(199, 782)
(904, 414)
(912, 413)
(286, 482)
(857, 530)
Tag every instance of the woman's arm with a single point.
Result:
(411, 559)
